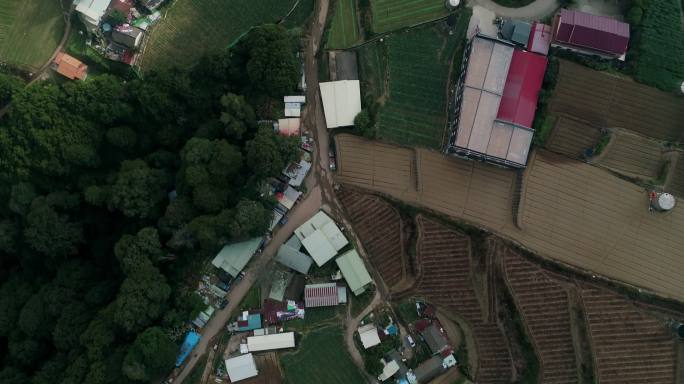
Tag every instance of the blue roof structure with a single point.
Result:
(253, 322)
(392, 329)
(191, 340)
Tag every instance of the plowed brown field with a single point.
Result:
(544, 306)
(445, 279)
(629, 345)
(571, 211)
(379, 227)
(632, 155)
(571, 136)
(609, 101)
(676, 184)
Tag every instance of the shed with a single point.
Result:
(297, 172)
(293, 109)
(234, 257)
(70, 67)
(128, 35)
(241, 367)
(369, 336)
(321, 237)
(279, 282)
(389, 370)
(288, 198)
(293, 259)
(270, 342)
(426, 371)
(354, 271)
(540, 39)
(586, 31)
(189, 343)
(321, 295)
(516, 31)
(91, 11)
(301, 99)
(289, 127)
(341, 102)
(434, 338)
(250, 322)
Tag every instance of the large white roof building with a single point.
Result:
(341, 102)
(241, 367)
(269, 342)
(91, 11)
(321, 238)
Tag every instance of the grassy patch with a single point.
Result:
(373, 71)
(344, 31)
(252, 300)
(360, 302)
(195, 376)
(192, 28)
(544, 130)
(419, 61)
(389, 15)
(30, 31)
(407, 311)
(321, 358)
(601, 145)
(662, 172)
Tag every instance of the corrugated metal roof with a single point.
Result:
(595, 32)
(320, 295)
(540, 38)
(321, 237)
(269, 342)
(524, 80)
(234, 257)
(354, 271)
(292, 258)
(369, 336)
(241, 367)
(319, 247)
(341, 102)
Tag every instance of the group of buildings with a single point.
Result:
(501, 78)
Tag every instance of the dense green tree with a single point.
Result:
(138, 253)
(72, 322)
(21, 196)
(12, 375)
(138, 189)
(99, 335)
(178, 213)
(141, 300)
(363, 125)
(272, 66)
(76, 371)
(152, 354)
(251, 219)
(268, 153)
(14, 293)
(51, 372)
(51, 233)
(25, 352)
(34, 318)
(122, 137)
(8, 236)
(237, 116)
(9, 85)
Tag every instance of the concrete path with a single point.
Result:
(534, 11)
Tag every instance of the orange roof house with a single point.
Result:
(70, 67)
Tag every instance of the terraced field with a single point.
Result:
(344, 30)
(630, 346)
(632, 155)
(609, 101)
(572, 136)
(544, 306)
(30, 31)
(192, 28)
(389, 15)
(445, 279)
(379, 226)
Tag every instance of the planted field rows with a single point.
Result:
(193, 28)
(629, 346)
(544, 305)
(415, 111)
(572, 136)
(632, 155)
(380, 228)
(445, 279)
(609, 101)
(30, 31)
(344, 30)
(389, 15)
(269, 371)
(676, 184)
(373, 69)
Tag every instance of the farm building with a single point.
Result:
(288, 198)
(279, 281)
(389, 369)
(246, 322)
(591, 34)
(354, 272)
(301, 99)
(241, 367)
(270, 342)
(341, 102)
(289, 127)
(297, 172)
(234, 257)
(517, 31)
(290, 257)
(426, 371)
(151, 4)
(435, 339)
(91, 12)
(324, 295)
(293, 110)
(369, 335)
(540, 39)
(70, 67)
(321, 237)
(128, 36)
(496, 100)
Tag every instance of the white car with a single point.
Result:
(410, 341)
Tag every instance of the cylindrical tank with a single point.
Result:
(452, 3)
(678, 328)
(663, 201)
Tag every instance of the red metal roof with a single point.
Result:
(320, 295)
(540, 38)
(591, 31)
(519, 99)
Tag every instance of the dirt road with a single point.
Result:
(353, 324)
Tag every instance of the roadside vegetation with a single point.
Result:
(94, 253)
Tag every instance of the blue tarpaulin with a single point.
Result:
(191, 340)
(391, 330)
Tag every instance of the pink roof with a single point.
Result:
(540, 38)
(320, 295)
(519, 99)
(591, 31)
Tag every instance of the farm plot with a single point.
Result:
(632, 155)
(572, 136)
(344, 30)
(676, 184)
(445, 279)
(30, 31)
(389, 15)
(269, 372)
(629, 345)
(320, 358)
(415, 111)
(373, 71)
(192, 28)
(380, 228)
(605, 100)
(544, 305)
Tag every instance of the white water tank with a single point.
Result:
(453, 3)
(663, 201)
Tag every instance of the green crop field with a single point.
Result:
(389, 15)
(192, 28)
(30, 31)
(344, 30)
(321, 358)
(419, 60)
